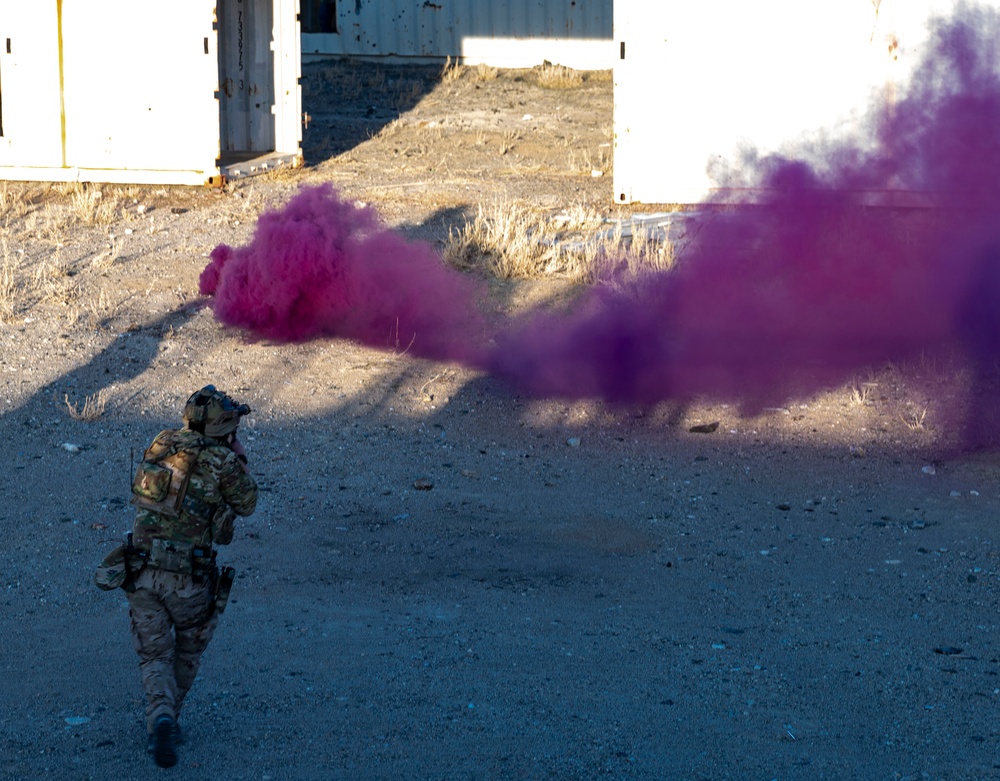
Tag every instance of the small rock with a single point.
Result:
(423, 484)
(918, 523)
(573, 442)
(784, 507)
(76, 721)
(69, 447)
(706, 428)
(948, 650)
(929, 470)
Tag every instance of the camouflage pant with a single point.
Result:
(172, 622)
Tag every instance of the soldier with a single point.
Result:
(192, 483)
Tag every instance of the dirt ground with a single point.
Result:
(445, 579)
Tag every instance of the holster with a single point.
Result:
(135, 560)
(223, 585)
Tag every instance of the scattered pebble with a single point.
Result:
(423, 484)
(76, 721)
(929, 470)
(69, 447)
(573, 442)
(705, 428)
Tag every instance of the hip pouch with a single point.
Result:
(172, 556)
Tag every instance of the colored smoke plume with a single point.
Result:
(323, 267)
(773, 301)
(789, 297)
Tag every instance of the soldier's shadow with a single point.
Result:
(124, 359)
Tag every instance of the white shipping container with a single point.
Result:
(193, 92)
(512, 34)
(697, 84)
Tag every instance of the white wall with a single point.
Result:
(701, 82)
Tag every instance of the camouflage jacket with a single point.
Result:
(218, 483)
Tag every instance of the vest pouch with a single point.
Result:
(172, 471)
(171, 556)
(152, 481)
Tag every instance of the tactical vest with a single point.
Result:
(167, 510)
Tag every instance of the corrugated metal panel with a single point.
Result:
(521, 33)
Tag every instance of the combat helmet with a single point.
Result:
(213, 413)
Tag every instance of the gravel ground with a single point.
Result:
(445, 579)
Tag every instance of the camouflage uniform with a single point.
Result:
(173, 613)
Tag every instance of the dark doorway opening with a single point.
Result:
(318, 16)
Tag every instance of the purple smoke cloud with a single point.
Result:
(773, 301)
(796, 294)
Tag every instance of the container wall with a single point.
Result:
(697, 85)
(119, 91)
(522, 33)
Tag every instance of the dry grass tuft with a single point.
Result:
(862, 392)
(510, 241)
(915, 420)
(9, 287)
(486, 72)
(13, 203)
(452, 70)
(93, 407)
(558, 77)
(91, 206)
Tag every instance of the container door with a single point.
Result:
(139, 85)
(30, 111)
(246, 73)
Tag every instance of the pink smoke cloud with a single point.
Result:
(324, 267)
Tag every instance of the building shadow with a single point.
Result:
(123, 360)
(348, 101)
